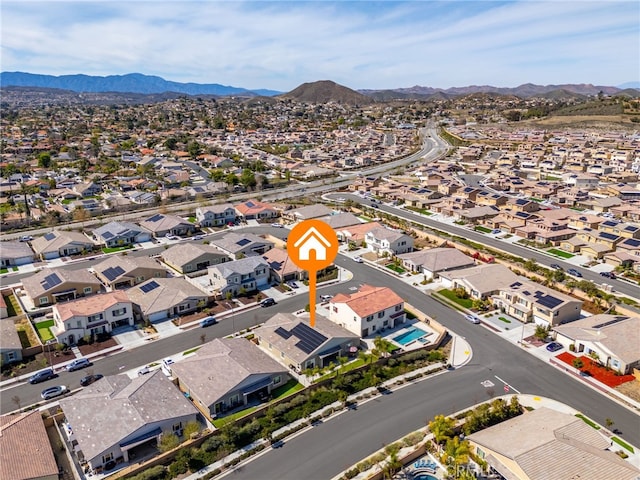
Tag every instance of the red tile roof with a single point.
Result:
(369, 300)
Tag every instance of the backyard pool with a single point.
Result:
(424, 476)
(409, 336)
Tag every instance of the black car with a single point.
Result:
(208, 321)
(89, 379)
(267, 302)
(42, 376)
(574, 272)
(610, 275)
(555, 266)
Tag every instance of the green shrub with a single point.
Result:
(158, 472)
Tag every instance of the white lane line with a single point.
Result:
(507, 384)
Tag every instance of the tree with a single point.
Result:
(542, 332)
(577, 363)
(441, 427)
(248, 178)
(608, 422)
(217, 174)
(456, 451)
(194, 149)
(168, 441)
(231, 179)
(44, 160)
(16, 399)
(190, 428)
(80, 214)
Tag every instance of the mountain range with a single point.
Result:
(137, 83)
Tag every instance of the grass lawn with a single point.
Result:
(191, 351)
(3, 270)
(587, 421)
(219, 422)
(344, 369)
(623, 444)
(44, 330)
(13, 307)
(419, 210)
(288, 388)
(560, 253)
(482, 229)
(505, 320)
(116, 249)
(396, 268)
(463, 302)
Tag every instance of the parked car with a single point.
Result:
(198, 237)
(610, 275)
(166, 366)
(277, 225)
(267, 302)
(326, 298)
(357, 259)
(554, 346)
(144, 370)
(78, 364)
(472, 318)
(208, 321)
(574, 272)
(26, 238)
(89, 379)
(555, 266)
(292, 284)
(52, 392)
(42, 376)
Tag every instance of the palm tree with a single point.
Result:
(441, 427)
(456, 451)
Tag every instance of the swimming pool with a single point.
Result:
(409, 336)
(424, 476)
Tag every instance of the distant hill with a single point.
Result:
(130, 83)
(325, 91)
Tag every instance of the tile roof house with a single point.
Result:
(228, 373)
(123, 271)
(531, 302)
(387, 242)
(247, 274)
(307, 212)
(281, 267)
(480, 281)
(545, 444)
(341, 220)
(356, 233)
(292, 342)
(161, 298)
(118, 234)
(434, 260)
(14, 253)
(108, 419)
(216, 215)
(367, 311)
(10, 345)
(238, 245)
(160, 225)
(25, 452)
(60, 243)
(255, 210)
(93, 315)
(58, 285)
(615, 339)
(189, 258)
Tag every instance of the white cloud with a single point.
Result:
(272, 44)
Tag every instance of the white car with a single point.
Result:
(277, 225)
(326, 298)
(143, 371)
(472, 318)
(357, 259)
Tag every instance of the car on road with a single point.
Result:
(555, 266)
(357, 259)
(198, 237)
(208, 321)
(42, 376)
(472, 318)
(277, 225)
(610, 275)
(53, 392)
(326, 298)
(554, 347)
(267, 302)
(89, 379)
(78, 364)
(574, 272)
(171, 237)
(374, 205)
(26, 238)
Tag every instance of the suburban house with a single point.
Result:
(120, 234)
(26, 452)
(387, 242)
(247, 274)
(242, 245)
(341, 220)
(53, 286)
(116, 418)
(614, 340)
(255, 210)
(10, 345)
(228, 373)
(161, 225)
(90, 316)
(481, 281)
(190, 258)
(544, 444)
(435, 260)
(307, 212)
(124, 271)
(292, 342)
(531, 302)
(367, 311)
(281, 267)
(161, 298)
(216, 215)
(356, 233)
(60, 243)
(14, 253)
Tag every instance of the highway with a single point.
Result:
(329, 448)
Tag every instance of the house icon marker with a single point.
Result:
(310, 241)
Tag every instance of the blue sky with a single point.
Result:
(359, 44)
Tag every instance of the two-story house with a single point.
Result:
(53, 286)
(255, 210)
(386, 242)
(247, 274)
(90, 316)
(216, 215)
(367, 311)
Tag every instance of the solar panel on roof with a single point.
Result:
(112, 273)
(49, 236)
(155, 218)
(283, 333)
(310, 339)
(107, 235)
(548, 301)
(608, 236)
(250, 204)
(147, 287)
(631, 228)
(610, 322)
(51, 281)
(243, 241)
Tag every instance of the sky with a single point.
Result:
(361, 44)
